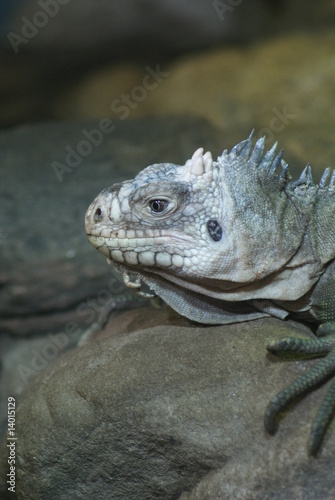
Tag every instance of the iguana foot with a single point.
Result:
(324, 346)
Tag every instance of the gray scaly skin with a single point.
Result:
(230, 241)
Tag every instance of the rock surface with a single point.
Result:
(283, 88)
(167, 412)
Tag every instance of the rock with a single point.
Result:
(95, 93)
(282, 88)
(158, 413)
(100, 25)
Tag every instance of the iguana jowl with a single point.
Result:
(230, 241)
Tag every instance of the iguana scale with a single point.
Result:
(228, 241)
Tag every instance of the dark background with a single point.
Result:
(77, 38)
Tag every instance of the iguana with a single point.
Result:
(230, 241)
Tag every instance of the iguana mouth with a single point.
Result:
(161, 250)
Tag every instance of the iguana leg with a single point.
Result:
(322, 346)
(119, 302)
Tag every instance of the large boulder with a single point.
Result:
(161, 412)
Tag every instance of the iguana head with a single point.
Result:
(167, 217)
(225, 229)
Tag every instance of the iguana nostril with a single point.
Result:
(98, 214)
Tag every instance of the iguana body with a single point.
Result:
(227, 241)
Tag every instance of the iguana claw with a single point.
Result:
(321, 372)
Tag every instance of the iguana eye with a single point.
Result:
(158, 206)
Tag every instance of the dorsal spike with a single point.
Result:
(276, 162)
(332, 181)
(325, 178)
(303, 175)
(284, 173)
(256, 155)
(309, 174)
(302, 179)
(268, 157)
(243, 148)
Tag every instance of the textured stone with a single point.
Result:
(255, 78)
(151, 414)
